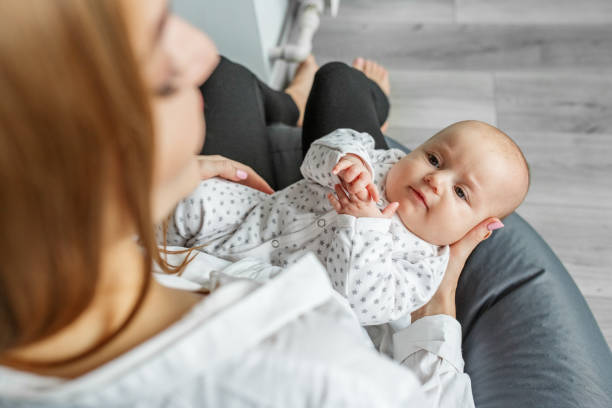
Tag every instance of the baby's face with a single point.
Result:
(451, 183)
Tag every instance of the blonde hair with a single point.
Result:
(75, 121)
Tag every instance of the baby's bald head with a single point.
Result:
(466, 173)
(516, 178)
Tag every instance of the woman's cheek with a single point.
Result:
(179, 132)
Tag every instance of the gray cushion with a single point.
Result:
(529, 337)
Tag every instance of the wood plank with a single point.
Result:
(409, 136)
(367, 11)
(601, 308)
(554, 102)
(435, 100)
(479, 47)
(529, 11)
(568, 169)
(592, 280)
(578, 235)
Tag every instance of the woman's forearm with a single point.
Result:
(431, 349)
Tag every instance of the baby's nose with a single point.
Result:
(438, 181)
(431, 182)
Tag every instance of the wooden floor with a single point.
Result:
(541, 70)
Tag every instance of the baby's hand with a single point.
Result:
(356, 178)
(357, 207)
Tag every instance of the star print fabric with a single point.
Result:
(384, 271)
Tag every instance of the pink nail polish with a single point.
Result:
(241, 174)
(495, 225)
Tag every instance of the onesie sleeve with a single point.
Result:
(382, 161)
(325, 152)
(215, 208)
(380, 286)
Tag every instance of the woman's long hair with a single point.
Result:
(75, 122)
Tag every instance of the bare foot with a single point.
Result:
(376, 73)
(300, 85)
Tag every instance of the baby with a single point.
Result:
(388, 262)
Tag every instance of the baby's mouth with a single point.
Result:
(420, 196)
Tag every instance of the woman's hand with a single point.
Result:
(215, 165)
(443, 301)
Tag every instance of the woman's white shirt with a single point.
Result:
(292, 342)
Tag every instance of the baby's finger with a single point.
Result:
(373, 192)
(342, 197)
(363, 195)
(351, 173)
(341, 165)
(390, 209)
(359, 183)
(334, 202)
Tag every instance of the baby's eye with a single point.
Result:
(433, 160)
(460, 193)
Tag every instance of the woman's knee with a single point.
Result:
(334, 69)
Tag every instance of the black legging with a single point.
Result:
(239, 107)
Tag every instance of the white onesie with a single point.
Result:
(385, 271)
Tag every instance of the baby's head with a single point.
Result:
(464, 174)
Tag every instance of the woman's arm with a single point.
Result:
(431, 346)
(431, 349)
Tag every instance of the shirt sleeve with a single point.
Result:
(431, 349)
(379, 286)
(325, 152)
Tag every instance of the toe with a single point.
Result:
(376, 70)
(358, 63)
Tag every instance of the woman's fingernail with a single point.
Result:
(495, 225)
(241, 174)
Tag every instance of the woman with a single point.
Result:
(100, 123)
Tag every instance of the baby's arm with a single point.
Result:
(325, 153)
(215, 208)
(379, 286)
